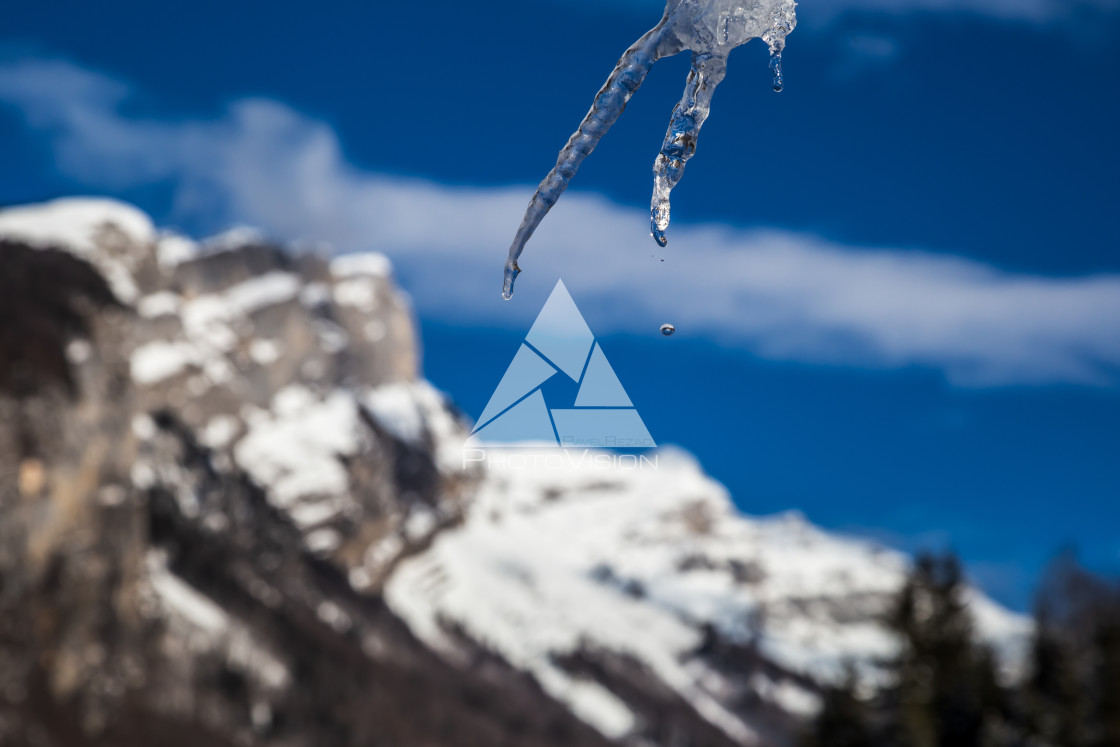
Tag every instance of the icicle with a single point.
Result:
(776, 68)
(624, 80)
(680, 140)
(710, 29)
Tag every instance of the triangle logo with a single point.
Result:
(561, 344)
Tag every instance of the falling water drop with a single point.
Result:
(668, 329)
(776, 68)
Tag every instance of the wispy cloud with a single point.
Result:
(780, 295)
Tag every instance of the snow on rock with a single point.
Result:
(268, 359)
(298, 451)
(357, 292)
(332, 337)
(295, 449)
(199, 623)
(111, 235)
(183, 600)
(520, 578)
(212, 325)
(202, 314)
(562, 551)
(794, 699)
(366, 264)
(219, 432)
(159, 360)
(233, 238)
(265, 352)
(412, 411)
(159, 304)
(314, 294)
(75, 223)
(173, 250)
(399, 409)
(591, 702)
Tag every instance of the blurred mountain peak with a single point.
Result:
(237, 514)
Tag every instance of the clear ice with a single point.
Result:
(709, 29)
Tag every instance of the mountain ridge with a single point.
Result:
(249, 464)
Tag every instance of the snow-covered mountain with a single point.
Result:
(585, 572)
(251, 521)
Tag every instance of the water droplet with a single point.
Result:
(776, 68)
(668, 329)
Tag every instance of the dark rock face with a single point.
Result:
(151, 591)
(47, 297)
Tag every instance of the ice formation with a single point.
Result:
(710, 29)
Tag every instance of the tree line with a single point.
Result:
(945, 689)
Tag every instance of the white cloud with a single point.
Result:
(776, 294)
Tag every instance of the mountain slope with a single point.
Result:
(577, 560)
(232, 511)
(211, 456)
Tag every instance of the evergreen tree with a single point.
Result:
(1072, 696)
(844, 720)
(1106, 681)
(1054, 700)
(946, 693)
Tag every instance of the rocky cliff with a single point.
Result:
(231, 512)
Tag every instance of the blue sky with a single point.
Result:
(896, 284)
